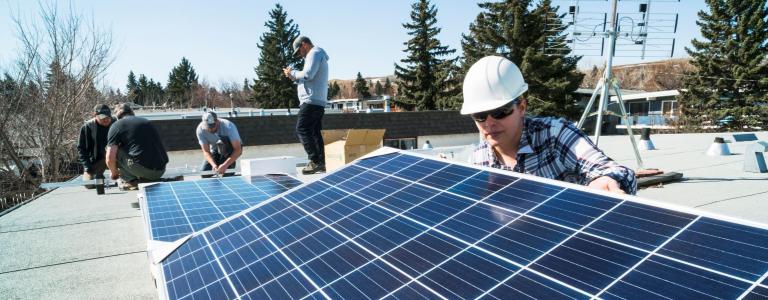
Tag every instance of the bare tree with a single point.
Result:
(62, 58)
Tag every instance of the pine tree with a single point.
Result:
(132, 88)
(425, 78)
(271, 89)
(730, 81)
(510, 29)
(181, 81)
(378, 90)
(388, 87)
(361, 87)
(333, 90)
(144, 89)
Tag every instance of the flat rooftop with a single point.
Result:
(71, 243)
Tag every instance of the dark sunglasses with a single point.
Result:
(497, 114)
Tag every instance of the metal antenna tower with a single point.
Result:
(613, 27)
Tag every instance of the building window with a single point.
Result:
(638, 108)
(669, 108)
(403, 144)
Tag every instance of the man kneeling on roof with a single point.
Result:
(134, 149)
(546, 147)
(220, 142)
(92, 143)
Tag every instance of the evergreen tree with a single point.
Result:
(730, 81)
(333, 90)
(361, 87)
(144, 89)
(160, 96)
(425, 78)
(514, 30)
(378, 90)
(388, 87)
(271, 89)
(9, 93)
(132, 88)
(181, 80)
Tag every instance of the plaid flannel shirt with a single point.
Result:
(556, 149)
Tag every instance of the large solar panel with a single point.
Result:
(405, 226)
(176, 209)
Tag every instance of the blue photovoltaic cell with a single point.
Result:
(640, 225)
(176, 209)
(760, 292)
(588, 263)
(401, 226)
(722, 246)
(657, 277)
(527, 284)
(574, 208)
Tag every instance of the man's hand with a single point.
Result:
(607, 184)
(221, 169)
(287, 72)
(114, 175)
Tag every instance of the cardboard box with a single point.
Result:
(345, 145)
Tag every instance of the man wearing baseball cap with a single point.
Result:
(553, 148)
(92, 143)
(220, 142)
(312, 87)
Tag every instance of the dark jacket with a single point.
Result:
(88, 147)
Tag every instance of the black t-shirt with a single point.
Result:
(101, 138)
(140, 140)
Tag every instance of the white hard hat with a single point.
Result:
(490, 83)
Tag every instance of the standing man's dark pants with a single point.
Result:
(308, 128)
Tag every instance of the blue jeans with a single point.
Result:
(308, 128)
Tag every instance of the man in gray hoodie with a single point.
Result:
(312, 88)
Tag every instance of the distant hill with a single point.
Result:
(651, 77)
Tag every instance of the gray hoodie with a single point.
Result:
(313, 80)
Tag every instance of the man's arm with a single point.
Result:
(82, 149)
(208, 156)
(311, 66)
(112, 161)
(237, 150)
(599, 170)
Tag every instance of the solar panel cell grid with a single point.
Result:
(177, 209)
(402, 226)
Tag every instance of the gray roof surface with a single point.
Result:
(716, 184)
(74, 244)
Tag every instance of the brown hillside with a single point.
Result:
(651, 77)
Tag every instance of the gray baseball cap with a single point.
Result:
(297, 43)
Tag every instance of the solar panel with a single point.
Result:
(744, 137)
(176, 209)
(400, 225)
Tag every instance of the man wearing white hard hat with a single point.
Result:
(546, 147)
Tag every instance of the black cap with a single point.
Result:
(102, 111)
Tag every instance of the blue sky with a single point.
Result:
(220, 37)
